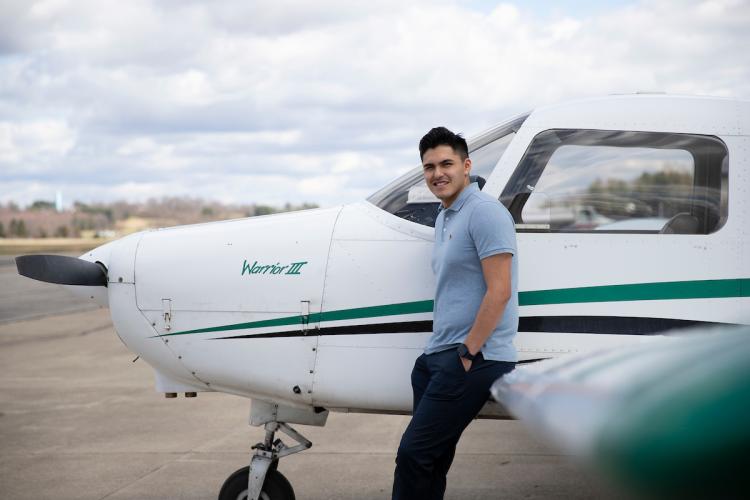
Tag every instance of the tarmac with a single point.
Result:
(79, 419)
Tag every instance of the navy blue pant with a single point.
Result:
(446, 400)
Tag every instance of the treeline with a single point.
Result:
(42, 220)
(663, 194)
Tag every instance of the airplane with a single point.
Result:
(632, 219)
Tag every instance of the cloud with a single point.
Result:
(34, 143)
(313, 101)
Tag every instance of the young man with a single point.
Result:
(475, 317)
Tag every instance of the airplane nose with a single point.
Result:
(100, 254)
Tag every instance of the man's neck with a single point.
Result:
(452, 200)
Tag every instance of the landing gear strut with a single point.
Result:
(262, 480)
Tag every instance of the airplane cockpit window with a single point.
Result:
(408, 196)
(618, 181)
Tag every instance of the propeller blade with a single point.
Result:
(62, 270)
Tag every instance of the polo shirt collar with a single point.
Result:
(465, 193)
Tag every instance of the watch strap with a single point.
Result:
(463, 352)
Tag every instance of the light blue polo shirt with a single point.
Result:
(474, 227)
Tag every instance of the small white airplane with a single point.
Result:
(632, 215)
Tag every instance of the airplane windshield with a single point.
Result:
(409, 198)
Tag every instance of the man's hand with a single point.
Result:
(466, 363)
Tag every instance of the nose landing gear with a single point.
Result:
(262, 480)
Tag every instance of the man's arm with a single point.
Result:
(496, 270)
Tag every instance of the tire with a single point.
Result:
(275, 486)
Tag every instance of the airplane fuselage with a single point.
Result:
(329, 307)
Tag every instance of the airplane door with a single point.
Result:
(620, 232)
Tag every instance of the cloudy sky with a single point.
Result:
(272, 101)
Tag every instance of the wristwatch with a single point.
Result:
(463, 352)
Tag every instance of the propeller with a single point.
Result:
(62, 270)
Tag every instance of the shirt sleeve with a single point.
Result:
(492, 228)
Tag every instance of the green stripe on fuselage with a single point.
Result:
(422, 306)
(704, 289)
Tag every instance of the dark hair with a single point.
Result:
(441, 136)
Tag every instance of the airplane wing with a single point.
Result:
(665, 418)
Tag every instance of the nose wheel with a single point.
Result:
(275, 486)
(261, 480)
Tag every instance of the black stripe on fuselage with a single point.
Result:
(366, 329)
(612, 325)
(527, 361)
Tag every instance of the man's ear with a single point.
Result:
(467, 167)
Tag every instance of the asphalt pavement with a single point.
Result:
(23, 299)
(79, 419)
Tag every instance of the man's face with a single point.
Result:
(445, 173)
